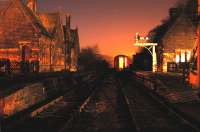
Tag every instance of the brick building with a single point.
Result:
(35, 38)
(176, 37)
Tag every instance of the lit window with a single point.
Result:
(177, 58)
(121, 62)
(188, 55)
(182, 56)
(126, 62)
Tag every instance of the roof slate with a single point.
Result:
(53, 23)
(4, 5)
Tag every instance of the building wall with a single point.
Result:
(41, 33)
(53, 23)
(180, 37)
(75, 50)
(22, 99)
(16, 28)
(167, 57)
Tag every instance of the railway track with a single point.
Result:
(52, 118)
(106, 111)
(148, 113)
(107, 103)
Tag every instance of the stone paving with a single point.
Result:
(182, 96)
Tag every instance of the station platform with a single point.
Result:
(11, 83)
(171, 87)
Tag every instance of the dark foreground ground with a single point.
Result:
(114, 102)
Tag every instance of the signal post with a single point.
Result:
(151, 47)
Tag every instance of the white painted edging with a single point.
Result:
(41, 109)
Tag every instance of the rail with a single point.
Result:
(151, 87)
(83, 104)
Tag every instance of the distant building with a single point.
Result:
(176, 37)
(40, 39)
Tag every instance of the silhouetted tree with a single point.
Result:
(91, 60)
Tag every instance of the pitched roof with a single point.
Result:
(52, 22)
(48, 24)
(49, 20)
(179, 35)
(4, 5)
(30, 15)
(190, 11)
(158, 32)
(34, 19)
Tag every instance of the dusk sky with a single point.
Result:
(111, 24)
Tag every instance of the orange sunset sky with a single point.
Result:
(111, 24)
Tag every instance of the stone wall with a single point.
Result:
(22, 99)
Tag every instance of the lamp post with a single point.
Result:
(151, 47)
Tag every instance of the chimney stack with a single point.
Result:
(32, 4)
(68, 22)
(173, 13)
